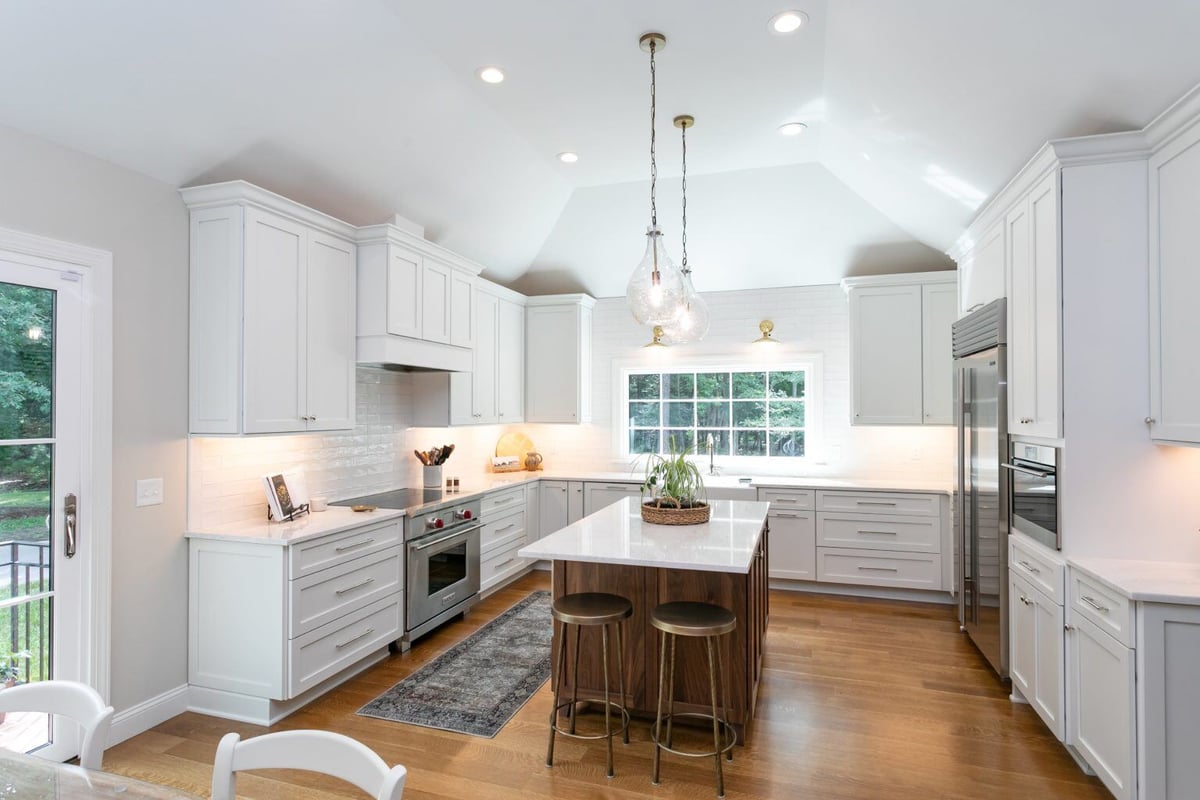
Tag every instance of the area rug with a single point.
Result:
(478, 685)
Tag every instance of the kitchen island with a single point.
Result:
(723, 561)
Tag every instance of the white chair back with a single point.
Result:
(77, 701)
(315, 751)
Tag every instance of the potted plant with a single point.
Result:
(676, 490)
(10, 671)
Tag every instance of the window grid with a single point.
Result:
(749, 413)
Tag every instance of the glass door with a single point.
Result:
(40, 446)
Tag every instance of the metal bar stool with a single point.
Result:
(697, 620)
(589, 609)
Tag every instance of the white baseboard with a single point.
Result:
(148, 713)
(852, 590)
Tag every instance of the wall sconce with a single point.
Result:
(765, 327)
(658, 335)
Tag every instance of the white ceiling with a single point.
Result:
(918, 111)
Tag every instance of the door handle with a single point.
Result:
(70, 521)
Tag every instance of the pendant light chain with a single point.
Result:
(683, 136)
(653, 163)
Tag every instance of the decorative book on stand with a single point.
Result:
(282, 504)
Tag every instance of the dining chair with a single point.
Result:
(71, 699)
(310, 750)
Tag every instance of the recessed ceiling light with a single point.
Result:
(792, 128)
(490, 74)
(788, 21)
(568, 158)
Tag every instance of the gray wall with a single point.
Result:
(62, 194)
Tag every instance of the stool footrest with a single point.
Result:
(618, 730)
(728, 735)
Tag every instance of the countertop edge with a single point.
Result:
(1127, 587)
(270, 532)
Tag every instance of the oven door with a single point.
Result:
(443, 570)
(1035, 500)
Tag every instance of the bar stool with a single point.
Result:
(590, 609)
(696, 620)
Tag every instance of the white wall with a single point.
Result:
(1122, 496)
(55, 192)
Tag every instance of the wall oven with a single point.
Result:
(1033, 470)
(443, 566)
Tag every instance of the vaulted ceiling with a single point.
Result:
(917, 112)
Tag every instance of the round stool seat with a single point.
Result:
(688, 618)
(591, 608)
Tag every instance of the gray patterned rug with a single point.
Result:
(478, 685)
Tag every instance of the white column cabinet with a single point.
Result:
(558, 358)
(901, 366)
(1034, 312)
(272, 312)
(1175, 290)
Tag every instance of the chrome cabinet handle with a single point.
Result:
(349, 642)
(367, 582)
(875, 502)
(1030, 567)
(503, 500)
(1037, 473)
(1091, 602)
(785, 515)
(506, 561)
(879, 569)
(507, 527)
(883, 533)
(70, 522)
(975, 307)
(354, 546)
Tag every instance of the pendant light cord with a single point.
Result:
(683, 135)
(653, 163)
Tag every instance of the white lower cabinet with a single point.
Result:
(793, 533)
(598, 495)
(270, 621)
(1036, 658)
(1100, 674)
(505, 531)
(552, 506)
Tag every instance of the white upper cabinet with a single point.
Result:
(272, 314)
(558, 358)
(493, 390)
(900, 357)
(1175, 290)
(1034, 312)
(415, 301)
(981, 271)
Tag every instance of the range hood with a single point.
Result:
(416, 301)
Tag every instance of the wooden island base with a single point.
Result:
(745, 594)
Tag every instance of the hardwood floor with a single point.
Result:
(861, 700)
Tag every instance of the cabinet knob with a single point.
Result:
(1068, 627)
(1150, 420)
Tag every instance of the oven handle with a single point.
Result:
(453, 535)
(1035, 472)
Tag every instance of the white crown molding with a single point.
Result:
(502, 292)
(245, 193)
(1178, 118)
(901, 279)
(585, 300)
(387, 233)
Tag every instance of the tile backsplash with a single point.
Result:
(224, 475)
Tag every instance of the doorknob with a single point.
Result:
(71, 539)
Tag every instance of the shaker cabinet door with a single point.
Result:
(330, 366)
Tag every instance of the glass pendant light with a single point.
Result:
(655, 291)
(691, 323)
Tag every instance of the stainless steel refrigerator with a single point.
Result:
(981, 494)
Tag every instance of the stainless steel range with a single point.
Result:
(441, 536)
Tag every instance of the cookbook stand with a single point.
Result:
(296, 512)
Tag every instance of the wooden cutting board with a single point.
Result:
(514, 444)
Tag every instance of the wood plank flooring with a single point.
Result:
(861, 700)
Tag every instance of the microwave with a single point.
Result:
(1033, 492)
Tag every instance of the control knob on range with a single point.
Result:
(464, 514)
(434, 523)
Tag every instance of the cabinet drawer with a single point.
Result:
(878, 568)
(879, 532)
(1044, 571)
(500, 532)
(331, 648)
(922, 505)
(331, 593)
(781, 499)
(500, 561)
(1111, 612)
(501, 502)
(308, 557)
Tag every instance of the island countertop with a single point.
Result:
(616, 534)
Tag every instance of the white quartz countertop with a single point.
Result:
(317, 523)
(1145, 581)
(616, 535)
(494, 481)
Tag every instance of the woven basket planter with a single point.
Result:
(669, 515)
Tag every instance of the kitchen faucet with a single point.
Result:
(712, 468)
